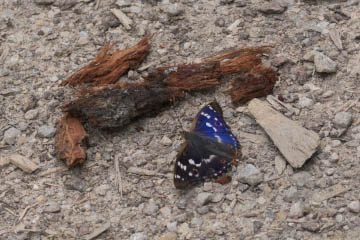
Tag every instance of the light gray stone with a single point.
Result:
(102, 189)
(11, 135)
(300, 179)
(250, 175)
(323, 64)
(138, 236)
(290, 194)
(151, 208)
(280, 164)
(52, 207)
(305, 102)
(203, 198)
(354, 206)
(297, 210)
(172, 226)
(46, 131)
(342, 119)
(166, 141)
(31, 114)
(175, 9)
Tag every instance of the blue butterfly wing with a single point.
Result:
(210, 122)
(199, 158)
(209, 148)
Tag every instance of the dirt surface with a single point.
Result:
(125, 187)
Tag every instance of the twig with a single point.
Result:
(145, 172)
(51, 171)
(300, 221)
(97, 4)
(122, 18)
(98, 231)
(118, 176)
(11, 212)
(22, 215)
(337, 190)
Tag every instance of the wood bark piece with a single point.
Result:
(114, 106)
(259, 82)
(296, 143)
(70, 137)
(23, 163)
(106, 68)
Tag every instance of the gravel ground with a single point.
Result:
(316, 51)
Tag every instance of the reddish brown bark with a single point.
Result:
(70, 136)
(106, 68)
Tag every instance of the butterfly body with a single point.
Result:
(209, 149)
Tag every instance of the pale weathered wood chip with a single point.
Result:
(23, 163)
(296, 143)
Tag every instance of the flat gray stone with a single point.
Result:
(175, 9)
(11, 135)
(31, 114)
(280, 164)
(297, 210)
(203, 198)
(46, 131)
(151, 208)
(323, 64)
(354, 206)
(296, 143)
(138, 236)
(342, 119)
(271, 8)
(300, 179)
(250, 175)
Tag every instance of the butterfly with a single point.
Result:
(209, 149)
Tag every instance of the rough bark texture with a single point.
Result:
(259, 82)
(70, 136)
(115, 105)
(106, 68)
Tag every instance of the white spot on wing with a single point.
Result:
(192, 162)
(208, 124)
(218, 138)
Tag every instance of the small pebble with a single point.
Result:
(300, 179)
(11, 135)
(172, 227)
(250, 175)
(203, 198)
(305, 102)
(342, 119)
(354, 206)
(138, 236)
(46, 131)
(166, 141)
(339, 218)
(31, 114)
(324, 64)
(151, 208)
(297, 210)
(175, 9)
(280, 164)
